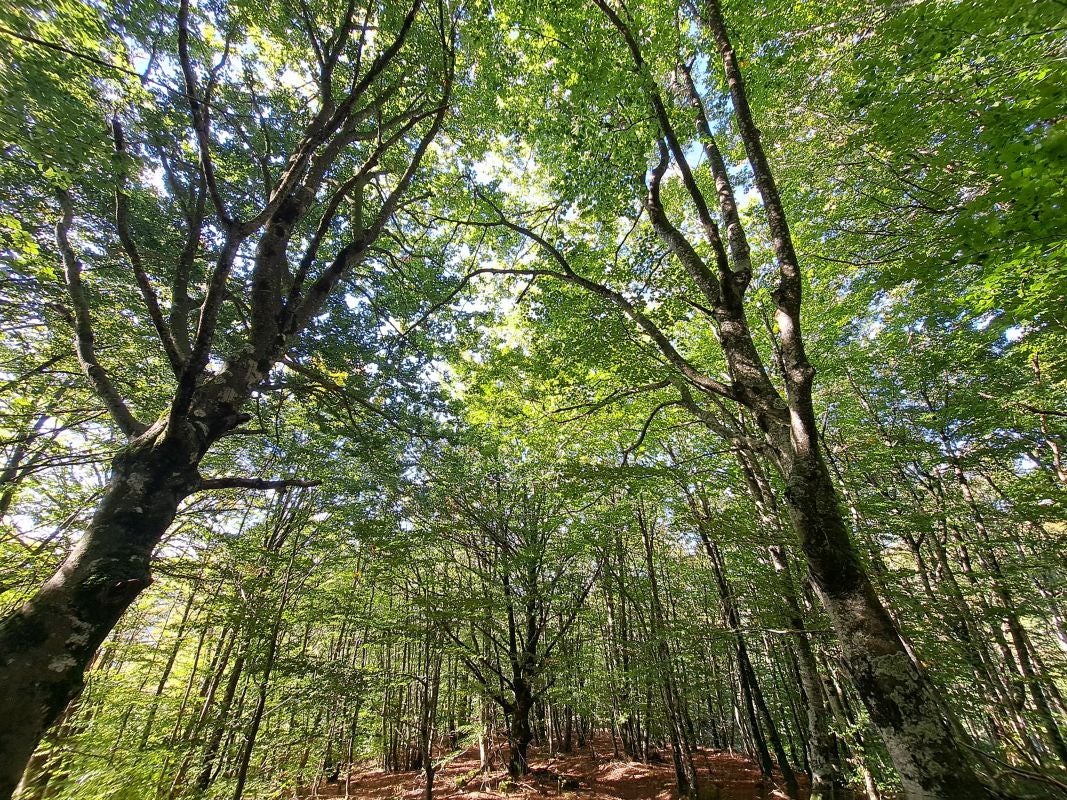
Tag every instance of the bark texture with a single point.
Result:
(49, 641)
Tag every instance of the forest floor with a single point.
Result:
(596, 773)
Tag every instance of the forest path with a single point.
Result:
(598, 775)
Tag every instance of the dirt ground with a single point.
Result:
(590, 773)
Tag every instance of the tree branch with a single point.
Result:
(670, 138)
(735, 233)
(354, 251)
(122, 223)
(198, 111)
(684, 251)
(85, 339)
(645, 428)
(677, 360)
(799, 373)
(613, 397)
(214, 484)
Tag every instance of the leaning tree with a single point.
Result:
(644, 98)
(255, 156)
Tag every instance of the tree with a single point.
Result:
(290, 193)
(893, 687)
(522, 552)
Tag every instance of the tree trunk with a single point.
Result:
(167, 667)
(902, 707)
(826, 780)
(485, 737)
(49, 641)
(428, 715)
(681, 748)
(520, 734)
(264, 682)
(932, 764)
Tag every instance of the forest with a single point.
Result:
(472, 399)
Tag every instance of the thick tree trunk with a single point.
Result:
(901, 704)
(49, 641)
(932, 764)
(521, 733)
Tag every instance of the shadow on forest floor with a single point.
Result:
(595, 771)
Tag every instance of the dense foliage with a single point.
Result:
(381, 380)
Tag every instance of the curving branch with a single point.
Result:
(799, 373)
(635, 315)
(735, 232)
(750, 383)
(81, 321)
(122, 223)
(670, 138)
(613, 397)
(629, 451)
(193, 202)
(679, 245)
(214, 484)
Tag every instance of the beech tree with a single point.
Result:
(520, 547)
(719, 269)
(284, 196)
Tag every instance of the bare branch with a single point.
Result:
(576, 605)
(662, 342)
(309, 26)
(122, 223)
(684, 251)
(323, 126)
(40, 368)
(735, 233)
(213, 484)
(198, 111)
(85, 338)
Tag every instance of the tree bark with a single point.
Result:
(520, 733)
(826, 779)
(48, 642)
(902, 707)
